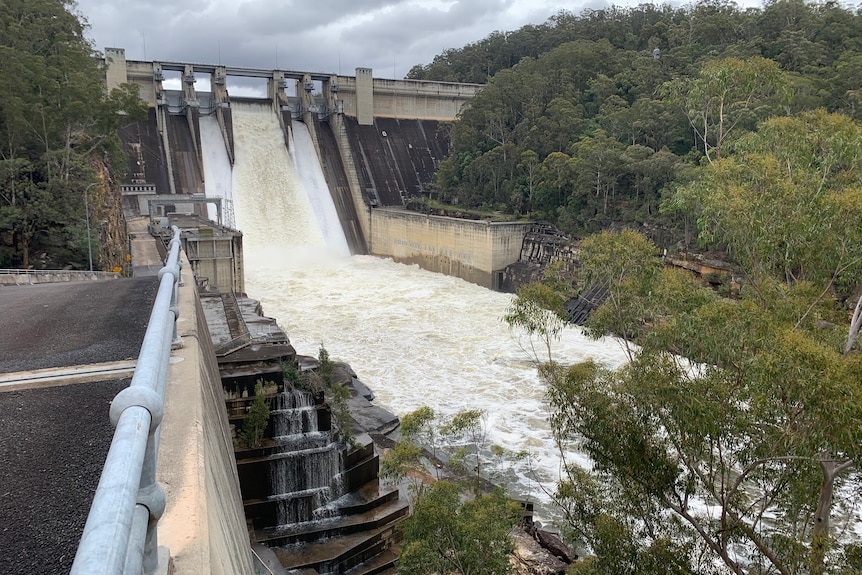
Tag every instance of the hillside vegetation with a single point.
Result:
(58, 141)
(599, 119)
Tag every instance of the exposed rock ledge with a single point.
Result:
(540, 552)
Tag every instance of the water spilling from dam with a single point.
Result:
(307, 475)
(417, 338)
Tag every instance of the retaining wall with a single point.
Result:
(476, 251)
(32, 277)
(204, 525)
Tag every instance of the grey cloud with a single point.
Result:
(276, 17)
(333, 36)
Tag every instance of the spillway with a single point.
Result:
(416, 338)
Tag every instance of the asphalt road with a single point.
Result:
(73, 323)
(55, 439)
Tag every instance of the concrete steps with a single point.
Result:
(388, 512)
(366, 552)
(384, 564)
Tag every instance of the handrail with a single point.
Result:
(120, 532)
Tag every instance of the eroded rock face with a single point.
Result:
(530, 558)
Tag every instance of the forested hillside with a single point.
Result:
(58, 141)
(605, 118)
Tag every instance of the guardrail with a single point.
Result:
(120, 532)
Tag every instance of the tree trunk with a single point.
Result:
(820, 533)
(855, 324)
(25, 250)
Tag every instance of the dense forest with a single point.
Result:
(58, 142)
(728, 442)
(598, 120)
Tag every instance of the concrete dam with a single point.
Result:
(379, 143)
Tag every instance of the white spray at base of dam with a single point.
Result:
(416, 338)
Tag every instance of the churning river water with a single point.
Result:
(416, 338)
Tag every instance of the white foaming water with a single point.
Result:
(307, 165)
(416, 338)
(218, 180)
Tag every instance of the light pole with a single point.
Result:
(87, 216)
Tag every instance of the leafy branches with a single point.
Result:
(733, 432)
(457, 526)
(321, 380)
(57, 126)
(257, 418)
(448, 534)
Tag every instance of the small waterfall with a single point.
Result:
(294, 415)
(306, 476)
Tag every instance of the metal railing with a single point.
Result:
(120, 533)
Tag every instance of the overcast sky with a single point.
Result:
(330, 36)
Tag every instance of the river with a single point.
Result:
(416, 338)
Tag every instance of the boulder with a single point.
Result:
(530, 558)
(553, 543)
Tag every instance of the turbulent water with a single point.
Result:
(416, 338)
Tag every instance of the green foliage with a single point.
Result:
(450, 534)
(56, 125)
(321, 380)
(746, 407)
(461, 437)
(400, 461)
(539, 309)
(418, 432)
(257, 418)
(746, 432)
(728, 94)
(291, 376)
(755, 424)
(467, 432)
(789, 201)
(579, 124)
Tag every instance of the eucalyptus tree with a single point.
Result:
(57, 124)
(456, 525)
(727, 95)
(730, 440)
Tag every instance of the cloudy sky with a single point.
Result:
(331, 36)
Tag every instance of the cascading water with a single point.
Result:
(417, 338)
(306, 475)
(294, 415)
(217, 170)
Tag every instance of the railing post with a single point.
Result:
(120, 534)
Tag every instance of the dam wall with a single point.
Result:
(394, 159)
(476, 251)
(365, 97)
(204, 525)
(380, 142)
